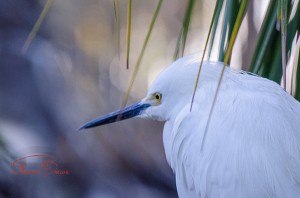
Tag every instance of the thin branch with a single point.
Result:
(128, 33)
(117, 24)
(37, 26)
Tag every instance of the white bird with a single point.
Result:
(252, 146)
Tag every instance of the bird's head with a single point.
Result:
(170, 91)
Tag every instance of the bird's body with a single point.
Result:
(252, 147)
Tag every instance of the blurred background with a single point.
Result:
(72, 72)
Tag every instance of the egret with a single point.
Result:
(252, 145)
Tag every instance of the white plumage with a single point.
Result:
(252, 147)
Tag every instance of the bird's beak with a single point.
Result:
(122, 114)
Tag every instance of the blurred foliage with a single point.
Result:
(215, 20)
(267, 58)
(233, 33)
(230, 16)
(181, 41)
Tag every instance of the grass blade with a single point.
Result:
(177, 48)
(213, 22)
(217, 12)
(292, 63)
(117, 25)
(181, 41)
(283, 17)
(297, 88)
(128, 33)
(267, 59)
(235, 30)
(37, 26)
(231, 11)
(273, 61)
(294, 24)
(265, 37)
(137, 65)
(275, 57)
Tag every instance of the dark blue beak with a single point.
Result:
(122, 114)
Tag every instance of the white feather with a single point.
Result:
(252, 148)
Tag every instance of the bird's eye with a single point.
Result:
(157, 97)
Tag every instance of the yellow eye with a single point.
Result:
(157, 97)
